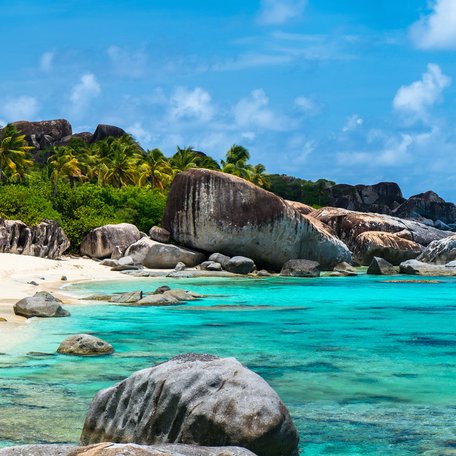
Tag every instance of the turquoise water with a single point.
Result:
(366, 367)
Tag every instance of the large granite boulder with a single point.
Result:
(122, 449)
(102, 242)
(379, 266)
(218, 212)
(415, 267)
(348, 225)
(302, 208)
(84, 345)
(240, 265)
(155, 255)
(41, 304)
(45, 240)
(440, 252)
(300, 268)
(386, 245)
(429, 206)
(105, 131)
(193, 399)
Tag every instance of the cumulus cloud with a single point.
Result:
(191, 104)
(437, 30)
(254, 112)
(307, 106)
(142, 135)
(417, 98)
(276, 12)
(353, 122)
(47, 61)
(84, 92)
(20, 108)
(128, 63)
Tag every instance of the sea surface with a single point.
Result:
(365, 366)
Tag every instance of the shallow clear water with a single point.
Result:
(366, 367)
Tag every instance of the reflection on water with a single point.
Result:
(366, 367)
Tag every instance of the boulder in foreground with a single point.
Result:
(41, 304)
(193, 399)
(218, 212)
(84, 345)
(379, 266)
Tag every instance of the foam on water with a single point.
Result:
(365, 366)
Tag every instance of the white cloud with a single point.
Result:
(307, 106)
(275, 12)
(84, 92)
(47, 61)
(417, 98)
(128, 63)
(438, 30)
(254, 112)
(21, 108)
(353, 122)
(143, 136)
(191, 104)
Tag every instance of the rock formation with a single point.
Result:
(218, 212)
(45, 240)
(41, 304)
(302, 208)
(103, 241)
(442, 251)
(415, 267)
(300, 268)
(193, 399)
(380, 266)
(84, 345)
(105, 131)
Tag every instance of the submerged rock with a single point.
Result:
(132, 296)
(218, 212)
(379, 266)
(193, 399)
(41, 304)
(84, 345)
(300, 268)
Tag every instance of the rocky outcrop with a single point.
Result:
(348, 225)
(156, 255)
(41, 304)
(380, 266)
(105, 131)
(428, 206)
(440, 252)
(193, 399)
(389, 246)
(120, 449)
(383, 197)
(302, 208)
(84, 345)
(103, 241)
(45, 240)
(218, 212)
(300, 268)
(415, 267)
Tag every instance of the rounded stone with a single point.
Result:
(84, 345)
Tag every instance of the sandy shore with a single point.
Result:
(16, 273)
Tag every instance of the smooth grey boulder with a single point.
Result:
(219, 258)
(157, 300)
(84, 345)
(240, 265)
(41, 304)
(103, 241)
(345, 268)
(120, 449)
(159, 234)
(415, 267)
(300, 268)
(45, 240)
(218, 212)
(440, 252)
(210, 266)
(132, 296)
(110, 262)
(194, 399)
(379, 266)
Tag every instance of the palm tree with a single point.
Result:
(63, 163)
(184, 159)
(259, 177)
(236, 162)
(156, 169)
(14, 160)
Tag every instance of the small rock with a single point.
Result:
(180, 266)
(159, 234)
(84, 345)
(210, 266)
(300, 268)
(33, 283)
(183, 295)
(345, 267)
(220, 258)
(3, 319)
(240, 265)
(110, 263)
(162, 289)
(133, 296)
(263, 273)
(380, 266)
(126, 261)
(64, 277)
(125, 267)
(157, 300)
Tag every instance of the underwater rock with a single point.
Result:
(84, 345)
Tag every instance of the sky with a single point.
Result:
(353, 91)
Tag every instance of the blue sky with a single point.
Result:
(355, 91)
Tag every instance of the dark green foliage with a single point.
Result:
(305, 191)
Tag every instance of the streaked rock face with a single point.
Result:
(440, 252)
(218, 212)
(193, 399)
